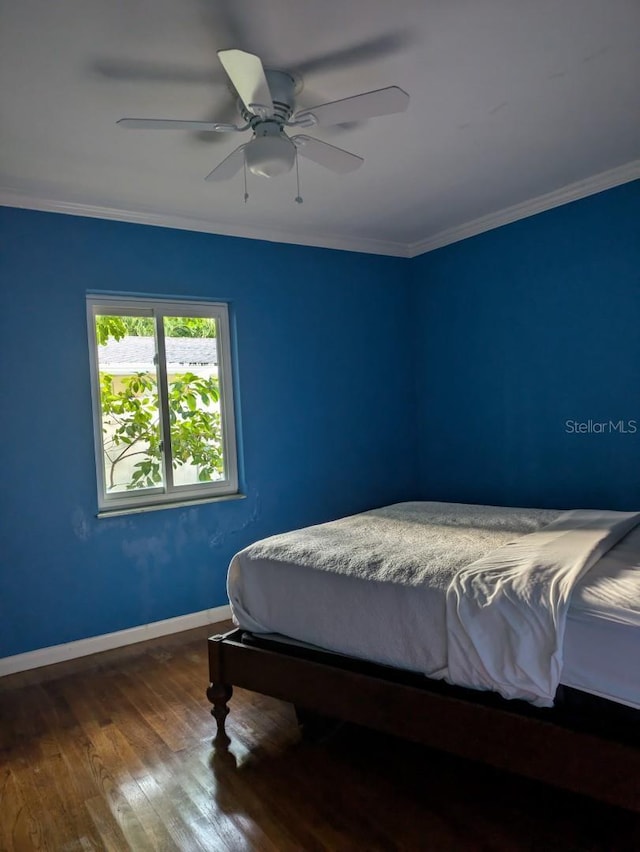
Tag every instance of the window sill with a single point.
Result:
(177, 504)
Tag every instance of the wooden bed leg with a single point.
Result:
(219, 691)
(219, 694)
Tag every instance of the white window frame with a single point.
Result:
(169, 494)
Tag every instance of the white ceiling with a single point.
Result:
(510, 100)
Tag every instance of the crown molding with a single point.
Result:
(572, 192)
(14, 198)
(566, 194)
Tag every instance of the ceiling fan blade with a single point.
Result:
(155, 72)
(359, 107)
(230, 166)
(326, 155)
(247, 75)
(355, 54)
(228, 22)
(170, 124)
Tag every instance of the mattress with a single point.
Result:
(400, 620)
(602, 639)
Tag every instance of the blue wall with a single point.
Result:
(324, 367)
(522, 329)
(350, 367)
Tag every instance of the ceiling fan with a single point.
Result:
(267, 106)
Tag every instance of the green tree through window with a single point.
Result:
(162, 429)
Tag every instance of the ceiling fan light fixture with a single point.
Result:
(270, 156)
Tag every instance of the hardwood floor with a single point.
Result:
(118, 756)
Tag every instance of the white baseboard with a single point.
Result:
(107, 641)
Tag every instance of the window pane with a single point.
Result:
(131, 437)
(194, 399)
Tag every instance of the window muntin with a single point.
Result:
(162, 400)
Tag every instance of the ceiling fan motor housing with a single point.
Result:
(284, 86)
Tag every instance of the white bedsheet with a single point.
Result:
(602, 638)
(506, 613)
(403, 625)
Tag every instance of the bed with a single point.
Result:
(503, 634)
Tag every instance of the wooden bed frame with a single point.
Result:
(573, 751)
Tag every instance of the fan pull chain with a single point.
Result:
(298, 196)
(246, 194)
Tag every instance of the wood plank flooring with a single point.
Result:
(118, 756)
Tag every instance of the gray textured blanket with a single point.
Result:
(407, 543)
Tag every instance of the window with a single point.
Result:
(162, 402)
